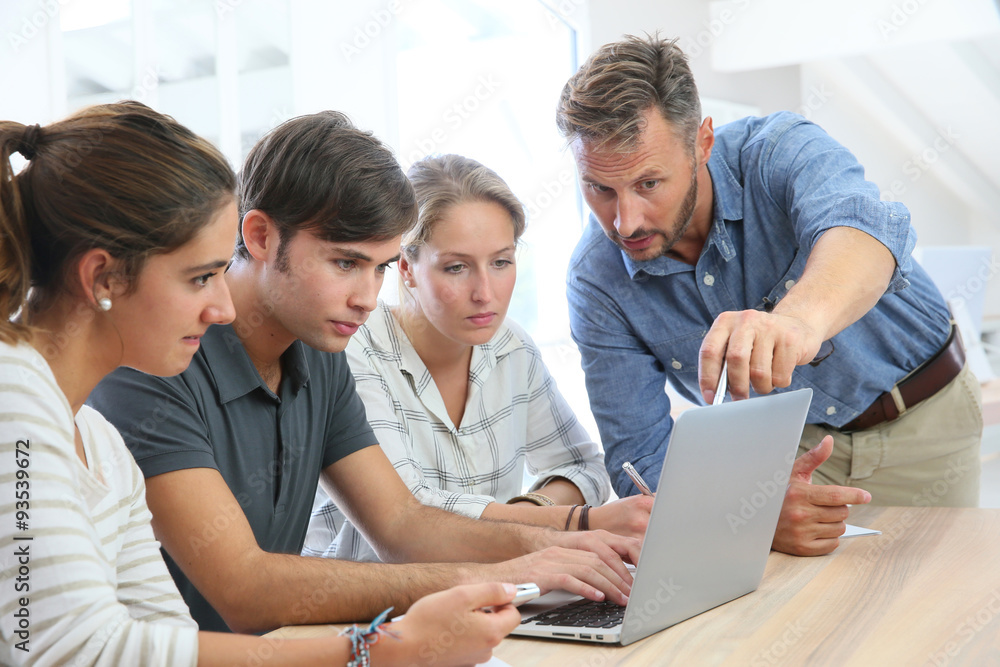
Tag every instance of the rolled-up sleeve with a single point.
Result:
(557, 445)
(824, 186)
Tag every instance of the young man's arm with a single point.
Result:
(254, 590)
(366, 487)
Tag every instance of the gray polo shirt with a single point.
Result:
(220, 414)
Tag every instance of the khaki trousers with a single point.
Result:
(929, 457)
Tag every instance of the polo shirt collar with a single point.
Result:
(295, 366)
(233, 371)
(727, 204)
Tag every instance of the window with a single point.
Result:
(481, 79)
(474, 77)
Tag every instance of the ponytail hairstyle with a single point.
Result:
(120, 177)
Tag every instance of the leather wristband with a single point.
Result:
(532, 497)
(570, 517)
(584, 518)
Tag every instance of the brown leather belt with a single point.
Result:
(926, 380)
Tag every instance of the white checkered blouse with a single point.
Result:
(515, 418)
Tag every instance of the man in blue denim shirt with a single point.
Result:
(763, 245)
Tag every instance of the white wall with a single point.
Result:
(770, 90)
(889, 105)
(28, 64)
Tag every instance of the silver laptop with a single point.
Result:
(711, 527)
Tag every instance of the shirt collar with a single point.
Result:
(727, 204)
(385, 330)
(382, 336)
(727, 190)
(234, 373)
(389, 341)
(487, 356)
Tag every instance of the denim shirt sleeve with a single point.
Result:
(822, 185)
(625, 383)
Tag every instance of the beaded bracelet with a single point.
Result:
(362, 639)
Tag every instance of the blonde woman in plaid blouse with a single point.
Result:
(461, 400)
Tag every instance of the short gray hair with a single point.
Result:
(605, 100)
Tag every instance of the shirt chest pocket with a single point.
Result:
(679, 355)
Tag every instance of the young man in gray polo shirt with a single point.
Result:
(233, 448)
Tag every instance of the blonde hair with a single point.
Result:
(604, 102)
(443, 181)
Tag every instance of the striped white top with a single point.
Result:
(82, 581)
(515, 420)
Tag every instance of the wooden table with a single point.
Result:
(925, 592)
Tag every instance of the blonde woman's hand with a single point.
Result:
(628, 516)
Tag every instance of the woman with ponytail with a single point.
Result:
(113, 243)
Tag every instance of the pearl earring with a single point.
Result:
(408, 283)
(104, 304)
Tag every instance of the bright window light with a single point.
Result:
(81, 14)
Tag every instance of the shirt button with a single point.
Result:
(709, 279)
(831, 410)
(789, 284)
(676, 364)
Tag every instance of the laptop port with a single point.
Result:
(582, 636)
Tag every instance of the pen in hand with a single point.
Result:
(637, 478)
(720, 391)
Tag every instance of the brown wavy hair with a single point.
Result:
(322, 174)
(121, 177)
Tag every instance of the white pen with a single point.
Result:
(637, 478)
(524, 593)
(720, 391)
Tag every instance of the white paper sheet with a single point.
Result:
(858, 531)
(494, 662)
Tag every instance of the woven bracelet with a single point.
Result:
(363, 638)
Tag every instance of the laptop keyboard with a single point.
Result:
(581, 614)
